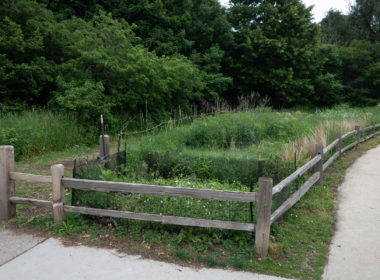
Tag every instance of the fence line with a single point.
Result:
(265, 218)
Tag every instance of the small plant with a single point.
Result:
(210, 261)
(182, 255)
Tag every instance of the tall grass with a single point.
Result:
(34, 132)
(225, 146)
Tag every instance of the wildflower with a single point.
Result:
(101, 158)
(77, 146)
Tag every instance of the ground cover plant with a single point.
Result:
(204, 154)
(299, 241)
(35, 132)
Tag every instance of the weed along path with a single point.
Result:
(355, 248)
(38, 260)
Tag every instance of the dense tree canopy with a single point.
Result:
(276, 46)
(124, 57)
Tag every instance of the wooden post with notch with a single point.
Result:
(7, 186)
(264, 212)
(319, 166)
(339, 145)
(357, 128)
(57, 172)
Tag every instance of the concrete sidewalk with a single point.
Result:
(355, 249)
(28, 257)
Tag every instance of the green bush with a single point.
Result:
(242, 129)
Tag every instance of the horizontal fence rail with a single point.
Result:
(331, 146)
(295, 175)
(294, 198)
(31, 201)
(29, 177)
(161, 218)
(264, 198)
(107, 186)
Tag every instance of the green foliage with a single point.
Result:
(26, 75)
(36, 132)
(360, 72)
(275, 54)
(122, 59)
(182, 255)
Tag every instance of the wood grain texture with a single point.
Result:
(58, 212)
(57, 172)
(330, 161)
(331, 146)
(298, 173)
(104, 150)
(31, 202)
(294, 198)
(357, 129)
(339, 145)
(7, 186)
(120, 187)
(17, 176)
(262, 230)
(348, 134)
(161, 218)
(350, 146)
(319, 165)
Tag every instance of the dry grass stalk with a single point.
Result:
(306, 145)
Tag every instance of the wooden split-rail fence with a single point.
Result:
(263, 197)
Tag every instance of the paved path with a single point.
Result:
(355, 248)
(27, 257)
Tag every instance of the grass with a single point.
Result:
(225, 147)
(36, 132)
(299, 241)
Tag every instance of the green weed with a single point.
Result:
(35, 132)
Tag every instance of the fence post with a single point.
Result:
(104, 146)
(57, 172)
(319, 166)
(264, 210)
(7, 186)
(373, 128)
(357, 128)
(339, 145)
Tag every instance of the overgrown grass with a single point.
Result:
(226, 147)
(299, 241)
(35, 132)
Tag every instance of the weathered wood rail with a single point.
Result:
(263, 198)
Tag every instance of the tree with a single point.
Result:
(362, 23)
(365, 15)
(360, 70)
(336, 29)
(276, 48)
(26, 75)
(197, 29)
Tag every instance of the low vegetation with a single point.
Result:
(299, 241)
(36, 132)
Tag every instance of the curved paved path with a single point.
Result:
(355, 248)
(25, 257)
